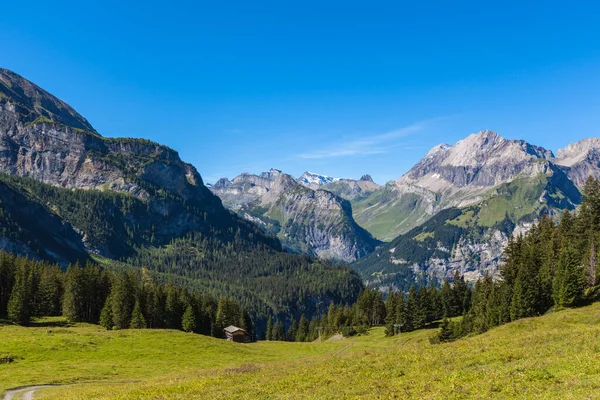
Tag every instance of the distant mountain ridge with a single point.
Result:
(460, 175)
(313, 221)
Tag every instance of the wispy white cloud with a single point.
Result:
(369, 145)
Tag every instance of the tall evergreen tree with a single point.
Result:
(302, 334)
(269, 331)
(188, 322)
(74, 306)
(19, 304)
(123, 299)
(106, 315)
(568, 283)
(137, 318)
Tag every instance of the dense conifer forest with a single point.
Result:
(115, 300)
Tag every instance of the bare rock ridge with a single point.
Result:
(306, 220)
(580, 160)
(33, 103)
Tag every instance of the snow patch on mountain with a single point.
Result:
(311, 179)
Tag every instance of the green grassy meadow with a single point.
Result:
(556, 356)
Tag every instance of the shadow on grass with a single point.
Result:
(49, 324)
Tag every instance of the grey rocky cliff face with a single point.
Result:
(580, 160)
(68, 157)
(306, 220)
(43, 138)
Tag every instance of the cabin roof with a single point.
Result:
(233, 329)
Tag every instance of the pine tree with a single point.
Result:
(415, 314)
(568, 283)
(7, 271)
(275, 331)
(173, 310)
(292, 331)
(402, 317)
(302, 334)
(106, 316)
(246, 323)
(123, 300)
(435, 304)
(391, 308)
(591, 266)
(269, 332)
(74, 297)
(425, 306)
(447, 297)
(19, 304)
(137, 318)
(446, 330)
(49, 291)
(188, 322)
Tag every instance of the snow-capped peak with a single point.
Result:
(311, 178)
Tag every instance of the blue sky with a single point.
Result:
(340, 88)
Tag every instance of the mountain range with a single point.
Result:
(68, 193)
(454, 210)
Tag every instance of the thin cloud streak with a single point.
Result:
(372, 145)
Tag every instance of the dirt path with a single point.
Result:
(24, 393)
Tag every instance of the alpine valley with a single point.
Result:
(69, 194)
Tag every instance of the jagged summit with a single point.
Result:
(366, 178)
(314, 180)
(271, 174)
(576, 152)
(34, 103)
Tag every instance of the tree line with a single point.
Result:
(398, 312)
(115, 300)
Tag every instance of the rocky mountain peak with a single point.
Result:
(314, 180)
(222, 183)
(437, 149)
(475, 149)
(366, 178)
(271, 174)
(580, 160)
(577, 152)
(33, 103)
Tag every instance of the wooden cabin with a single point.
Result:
(236, 334)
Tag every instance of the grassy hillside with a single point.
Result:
(386, 214)
(554, 356)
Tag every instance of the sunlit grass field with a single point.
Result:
(556, 356)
